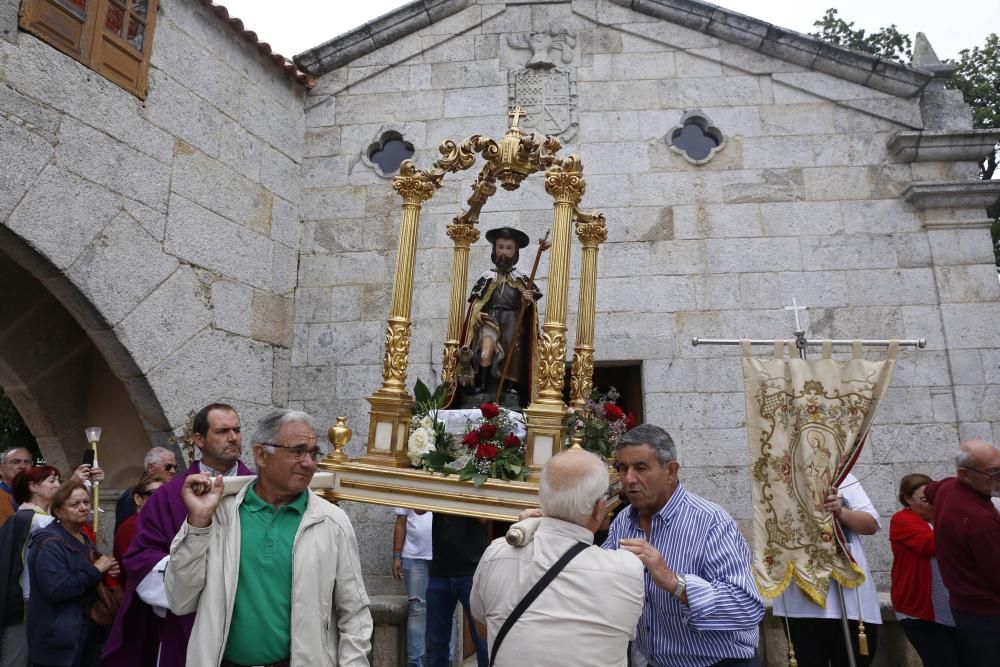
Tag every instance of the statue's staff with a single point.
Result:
(520, 317)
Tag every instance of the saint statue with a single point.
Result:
(489, 333)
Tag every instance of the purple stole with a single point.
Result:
(132, 641)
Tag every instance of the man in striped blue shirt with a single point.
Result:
(701, 606)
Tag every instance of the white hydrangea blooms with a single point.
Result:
(421, 441)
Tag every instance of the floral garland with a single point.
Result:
(600, 423)
(427, 434)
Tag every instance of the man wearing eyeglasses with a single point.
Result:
(967, 533)
(240, 561)
(159, 462)
(145, 633)
(14, 461)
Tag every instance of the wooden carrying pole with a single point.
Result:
(520, 319)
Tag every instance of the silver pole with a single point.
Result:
(916, 342)
(844, 625)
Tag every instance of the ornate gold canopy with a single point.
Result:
(379, 476)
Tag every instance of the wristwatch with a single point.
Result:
(681, 585)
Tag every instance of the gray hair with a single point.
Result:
(963, 459)
(568, 489)
(268, 427)
(7, 453)
(654, 436)
(155, 455)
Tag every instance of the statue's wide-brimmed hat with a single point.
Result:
(508, 233)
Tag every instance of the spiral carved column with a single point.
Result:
(592, 233)
(464, 235)
(391, 404)
(564, 182)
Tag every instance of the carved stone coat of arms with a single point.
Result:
(547, 92)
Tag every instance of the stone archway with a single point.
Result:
(64, 369)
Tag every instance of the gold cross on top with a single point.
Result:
(516, 113)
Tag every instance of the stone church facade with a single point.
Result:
(230, 237)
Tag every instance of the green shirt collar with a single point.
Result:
(255, 503)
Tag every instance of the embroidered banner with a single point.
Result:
(806, 423)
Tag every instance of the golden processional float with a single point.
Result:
(384, 475)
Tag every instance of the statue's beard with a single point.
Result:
(505, 264)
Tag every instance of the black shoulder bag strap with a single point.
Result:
(535, 591)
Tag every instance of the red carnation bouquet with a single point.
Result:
(494, 450)
(600, 423)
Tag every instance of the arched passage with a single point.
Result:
(64, 369)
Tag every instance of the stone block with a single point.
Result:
(749, 255)
(623, 259)
(100, 158)
(924, 322)
(966, 284)
(322, 142)
(25, 154)
(801, 218)
(719, 291)
(344, 342)
(728, 487)
(758, 187)
(620, 96)
(198, 235)
(963, 325)
(257, 113)
(991, 366)
(638, 336)
(699, 448)
(791, 151)
(487, 47)
(669, 375)
(653, 65)
(892, 286)
(240, 150)
(227, 366)
(836, 183)
(848, 252)
(478, 102)
(312, 382)
(470, 74)
(886, 216)
(284, 269)
(279, 174)
(700, 92)
(232, 307)
(618, 157)
(285, 225)
(357, 382)
(216, 187)
(960, 246)
(660, 294)
(154, 222)
(969, 368)
(38, 118)
(328, 203)
(699, 62)
(696, 410)
(978, 403)
(853, 322)
(184, 114)
(281, 379)
(121, 267)
(665, 189)
(388, 107)
(377, 79)
(168, 317)
(717, 221)
(676, 257)
(321, 110)
(271, 318)
(608, 126)
(81, 207)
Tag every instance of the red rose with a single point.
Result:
(613, 412)
(512, 441)
(471, 439)
(489, 410)
(630, 422)
(487, 431)
(486, 451)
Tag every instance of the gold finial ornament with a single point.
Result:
(339, 435)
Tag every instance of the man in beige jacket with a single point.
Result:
(272, 571)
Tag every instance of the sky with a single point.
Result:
(294, 26)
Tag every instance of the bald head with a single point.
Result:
(978, 464)
(572, 484)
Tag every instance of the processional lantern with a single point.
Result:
(93, 434)
(384, 475)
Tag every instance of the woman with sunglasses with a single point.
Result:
(141, 492)
(918, 593)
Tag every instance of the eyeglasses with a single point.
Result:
(992, 475)
(299, 452)
(170, 467)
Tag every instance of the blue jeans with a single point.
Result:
(416, 572)
(443, 593)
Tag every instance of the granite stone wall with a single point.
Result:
(803, 201)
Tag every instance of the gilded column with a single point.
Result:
(592, 232)
(564, 182)
(391, 404)
(464, 235)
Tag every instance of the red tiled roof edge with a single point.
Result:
(288, 66)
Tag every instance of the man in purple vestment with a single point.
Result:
(132, 641)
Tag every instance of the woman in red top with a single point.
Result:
(918, 593)
(123, 536)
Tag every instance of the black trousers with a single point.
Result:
(979, 637)
(819, 642)
(936, 644)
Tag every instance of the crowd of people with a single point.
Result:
(262, 571)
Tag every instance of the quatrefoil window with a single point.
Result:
(388, 152)
(696, 138)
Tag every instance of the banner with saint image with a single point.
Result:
(806, 424)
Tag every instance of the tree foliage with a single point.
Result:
(886, 43)
(13, 432)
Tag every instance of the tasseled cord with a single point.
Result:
(862, 637)
(792, 662)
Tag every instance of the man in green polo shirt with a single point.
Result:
(282, 559)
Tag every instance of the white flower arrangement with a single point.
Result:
(422, 440)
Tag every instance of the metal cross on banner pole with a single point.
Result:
(802, 343)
